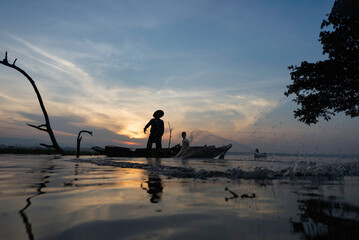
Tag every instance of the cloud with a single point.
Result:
(125, 110)
(106, 66)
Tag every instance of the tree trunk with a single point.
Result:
(79, 138)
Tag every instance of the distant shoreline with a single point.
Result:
(341, 155)
(41, 151)
(35, 150)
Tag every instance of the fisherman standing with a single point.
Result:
(157, 129)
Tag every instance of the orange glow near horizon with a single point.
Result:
(127, 143)
(132, 132)
(64, 133)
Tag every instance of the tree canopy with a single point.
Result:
(327, 87)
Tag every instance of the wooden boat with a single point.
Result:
(260, 155)
(195, 152)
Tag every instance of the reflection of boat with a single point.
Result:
(194, 152)
(114, 151)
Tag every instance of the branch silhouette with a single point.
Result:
(43, 127)
(79, 138)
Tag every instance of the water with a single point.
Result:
(294, 197)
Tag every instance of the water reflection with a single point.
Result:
(24, 217)
(325, 219)
(39, 184)
(154, 182)
(71, 183)
(87, 201)
(234, 195)
(323, 215)
(154, 187)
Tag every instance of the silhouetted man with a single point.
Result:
(157, 129)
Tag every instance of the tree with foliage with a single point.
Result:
(331, 86)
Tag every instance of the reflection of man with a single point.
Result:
(157, 129)
(155, 187)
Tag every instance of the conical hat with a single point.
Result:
(158, 114)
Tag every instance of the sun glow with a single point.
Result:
(132, 132)
(127, 143)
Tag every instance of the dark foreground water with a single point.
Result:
(281, 197)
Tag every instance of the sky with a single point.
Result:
(217, 69)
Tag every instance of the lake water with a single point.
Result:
(280, 197)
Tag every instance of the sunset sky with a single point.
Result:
(214, 67)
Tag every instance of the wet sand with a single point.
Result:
(47, 197)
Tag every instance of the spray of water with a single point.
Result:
(201, 138)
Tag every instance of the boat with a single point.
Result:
(194, 152)
(260, 155)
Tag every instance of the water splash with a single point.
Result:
(201, 138)
(298, 169)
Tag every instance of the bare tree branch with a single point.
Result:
(46, 145)
(40, 127)
(47, 121)
(5, 59)
(79, 138)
